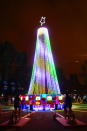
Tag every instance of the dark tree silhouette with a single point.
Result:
(62, 80)
(13, 68)
(83, 73)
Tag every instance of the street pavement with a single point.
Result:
(43, 121)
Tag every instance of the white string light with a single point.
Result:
(42, 21)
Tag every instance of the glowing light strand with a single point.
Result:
(43, 67)
(42, 21)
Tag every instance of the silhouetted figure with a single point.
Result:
(67, 101)
(68, 107)
(17, 105)
(15, 115)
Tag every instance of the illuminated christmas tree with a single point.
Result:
(44, 78)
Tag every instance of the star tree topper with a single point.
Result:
(42, 21)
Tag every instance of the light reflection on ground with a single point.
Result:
(76, 107)
(79, 107)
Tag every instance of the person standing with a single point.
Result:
(17, 105)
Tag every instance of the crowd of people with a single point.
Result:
(75, 99)
(79, 98)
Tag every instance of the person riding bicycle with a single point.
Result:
(68, 106)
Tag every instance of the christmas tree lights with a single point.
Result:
(44, 78)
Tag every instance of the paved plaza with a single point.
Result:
(43, 121)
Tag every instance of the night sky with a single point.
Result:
(65, 19)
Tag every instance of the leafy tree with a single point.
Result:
(13, 67)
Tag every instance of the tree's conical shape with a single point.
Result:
(44, 78)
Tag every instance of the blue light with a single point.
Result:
(60, 106)
(44, 95)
